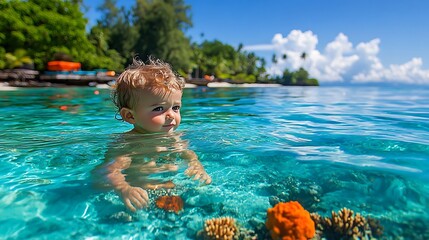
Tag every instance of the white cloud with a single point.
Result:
(260, 47)
(340, 60)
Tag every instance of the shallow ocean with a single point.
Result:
(361, 148)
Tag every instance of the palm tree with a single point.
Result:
(284, 56)
(19, 59)
(274, 59)
(303, 56)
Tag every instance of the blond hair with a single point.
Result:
(153, 75)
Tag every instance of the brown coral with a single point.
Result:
(170, 203)
(342, 225)
(289, 221)
(220, 228)
(375, 226)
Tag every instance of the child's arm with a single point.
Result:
(133, 197)
(195, 168)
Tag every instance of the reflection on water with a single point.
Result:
(154, 159)
(329, 147)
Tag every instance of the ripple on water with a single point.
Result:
(328, 147)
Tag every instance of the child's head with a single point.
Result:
(149, 96)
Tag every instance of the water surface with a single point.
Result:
(363, 148)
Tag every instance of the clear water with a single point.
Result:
(364, 148)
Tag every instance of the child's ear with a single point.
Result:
(127, 115)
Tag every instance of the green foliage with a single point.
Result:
(225, 62)
(160, 25)
(113, 59)
(150, 28)
(38, 31)
(312, 82)
(215, 57)
(44, 28)
(115, 30)
(2, 58)
(288, 78)
(244, 78)
(17, 59)
(301, 76)
(297, 78)
(274, 59)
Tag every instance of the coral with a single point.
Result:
(289, 221)
(261, 231)
(121, 217)
(307, 193)
(375, 226)
(220, 228)
(344, 225)
(170, 203)
(317, 219)
(416, 229)
(247, 234)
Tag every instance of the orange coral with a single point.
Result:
(289, 221)
(170, 203)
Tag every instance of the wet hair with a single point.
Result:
(155, 75)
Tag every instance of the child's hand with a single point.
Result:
(195, 168)
(135, 198)
(198, 172)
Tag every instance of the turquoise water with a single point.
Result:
(363, 148)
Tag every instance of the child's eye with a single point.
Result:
(158, 109)
(176, 108)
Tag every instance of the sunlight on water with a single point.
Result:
(362, 148)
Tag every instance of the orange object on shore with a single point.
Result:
(290, 221)
(63, 66)
(110, 73)
(170, 203)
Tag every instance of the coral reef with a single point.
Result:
(289, 221)
(306, 192)
(121, 217)
(247, 234)
(346, 225)
(375, 226)
(170, 203)
(411, 228)
(259, 228)
(220, 228)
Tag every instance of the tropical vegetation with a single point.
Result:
(33, 32)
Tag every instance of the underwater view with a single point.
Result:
(361, 152)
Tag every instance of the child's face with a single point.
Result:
(157, 111)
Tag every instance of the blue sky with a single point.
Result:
(345, 40)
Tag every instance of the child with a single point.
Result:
(149, 96)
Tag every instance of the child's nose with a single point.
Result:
(169, 114)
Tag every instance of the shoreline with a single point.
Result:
(234, 85)
(4, 86)
(225, 84)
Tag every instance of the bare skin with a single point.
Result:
(149, 97)
(154, 111)
(136, 197)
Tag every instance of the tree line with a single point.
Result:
(33, 32)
